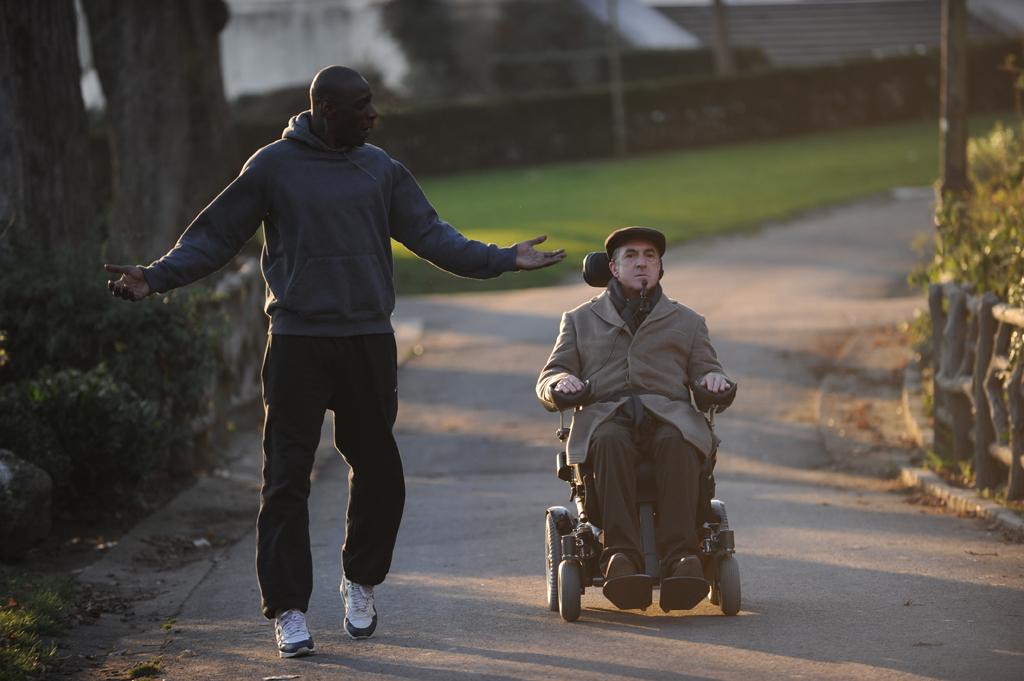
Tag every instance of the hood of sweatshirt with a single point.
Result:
(300, 128)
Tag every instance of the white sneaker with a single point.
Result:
(360, 613)
(293, 639)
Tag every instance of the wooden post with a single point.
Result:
(986, 471)
(938, 317)
(958, 403)
(1015, 388)
(619, 134)
(725, 65)
(953, 96)
(994, 383)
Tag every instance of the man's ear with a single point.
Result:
(327, 109)
(614, 267)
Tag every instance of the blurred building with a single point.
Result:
(269, 45)
(811, 32)
(273, 44)
(644, 26)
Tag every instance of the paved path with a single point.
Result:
(842, 578)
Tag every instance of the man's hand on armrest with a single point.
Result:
(569, 392)
(570, 385)
(714, 390)
(715, 382)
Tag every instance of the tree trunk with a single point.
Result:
(159, 64)
(953, 97)
(725, 65)
(47, 202)
(212, 159)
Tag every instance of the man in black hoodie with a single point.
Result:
(329, 205)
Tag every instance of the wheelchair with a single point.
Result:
(572, 541)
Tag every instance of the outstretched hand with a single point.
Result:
(131, 286)
(529, 258)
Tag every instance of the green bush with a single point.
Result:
(24, 431)
(95, 390)
(980, 234)
(92, 433)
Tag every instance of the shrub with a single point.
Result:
(96, 436)
(980, 235)
(24, 431)
(95, 390)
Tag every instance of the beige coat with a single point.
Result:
(670, 350)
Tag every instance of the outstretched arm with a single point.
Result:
(415, 223)
(213, 238)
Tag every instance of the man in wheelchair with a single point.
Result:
(625, 362)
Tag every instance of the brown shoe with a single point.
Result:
(688, 567)
(619, 565)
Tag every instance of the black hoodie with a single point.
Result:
(329, 216)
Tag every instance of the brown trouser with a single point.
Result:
(615, 447)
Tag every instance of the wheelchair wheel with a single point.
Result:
(729, 585)
(553, 553)
(569, 590)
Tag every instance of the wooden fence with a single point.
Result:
(978, 397)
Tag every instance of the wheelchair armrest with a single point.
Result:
(566, 401)
(705, 399)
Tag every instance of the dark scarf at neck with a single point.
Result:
(633, 310)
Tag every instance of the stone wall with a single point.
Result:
(236, 307)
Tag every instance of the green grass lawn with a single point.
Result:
(686, 194)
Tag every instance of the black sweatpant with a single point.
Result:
(357, 378)
(614, 450)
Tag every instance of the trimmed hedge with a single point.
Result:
(532, 73)
(673, 114)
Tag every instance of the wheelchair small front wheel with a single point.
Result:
(729, 585)
(570, 591)
(553, 551)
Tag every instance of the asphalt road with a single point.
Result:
(842, 578)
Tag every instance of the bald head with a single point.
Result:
(338, 83)
(341, 104)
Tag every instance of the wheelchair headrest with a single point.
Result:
(595, 269)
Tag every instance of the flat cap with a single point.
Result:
(624, 234)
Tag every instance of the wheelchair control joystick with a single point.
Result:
(562, 433)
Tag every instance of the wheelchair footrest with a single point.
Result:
(629, 593)
(682, 593)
